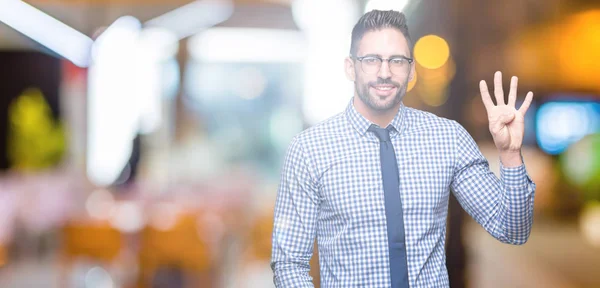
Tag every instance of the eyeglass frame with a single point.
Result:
(410, 61)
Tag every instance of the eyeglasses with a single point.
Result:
(372, 64)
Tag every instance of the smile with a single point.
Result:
(384, 88)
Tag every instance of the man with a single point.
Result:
(372, 183)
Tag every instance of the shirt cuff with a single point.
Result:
(514, 176)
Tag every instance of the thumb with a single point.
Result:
(502, 121)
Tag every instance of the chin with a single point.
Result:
(383, 105)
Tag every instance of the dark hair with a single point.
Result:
(377, 20)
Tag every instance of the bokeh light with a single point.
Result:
(100, 204)
(561, 124)
(579, 60)
(127, 217)
(589, 223)
(559, 56)
(432, 51)
(97, 277)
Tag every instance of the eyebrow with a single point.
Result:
(399, 56)
(393, 56)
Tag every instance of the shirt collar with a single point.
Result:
(362, 124)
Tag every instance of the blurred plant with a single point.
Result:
(35, 139)
(581, 166)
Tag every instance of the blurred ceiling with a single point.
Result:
(490, 35)
(144, 2)
(87, 16)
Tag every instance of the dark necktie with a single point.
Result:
(393, 208)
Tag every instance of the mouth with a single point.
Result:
(384, 90)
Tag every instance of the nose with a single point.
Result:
(384, 70)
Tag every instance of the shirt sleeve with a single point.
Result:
(503, 207)
(295, 219)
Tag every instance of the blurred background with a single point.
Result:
(141, 141)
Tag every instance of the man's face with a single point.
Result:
(381, 90)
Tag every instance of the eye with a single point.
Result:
(371, 60)
(398, 61)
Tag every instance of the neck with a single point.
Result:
(381, 118)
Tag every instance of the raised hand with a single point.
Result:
(506, 123)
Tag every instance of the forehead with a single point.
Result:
(384, 42)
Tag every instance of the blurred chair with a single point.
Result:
(95, 241)
(259, 245)
(170, 256)
(260, 238)
(3, 256)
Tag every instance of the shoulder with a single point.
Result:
(321, 133)
(420, 120)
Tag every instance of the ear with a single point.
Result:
(411, 76)
(349, 68)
